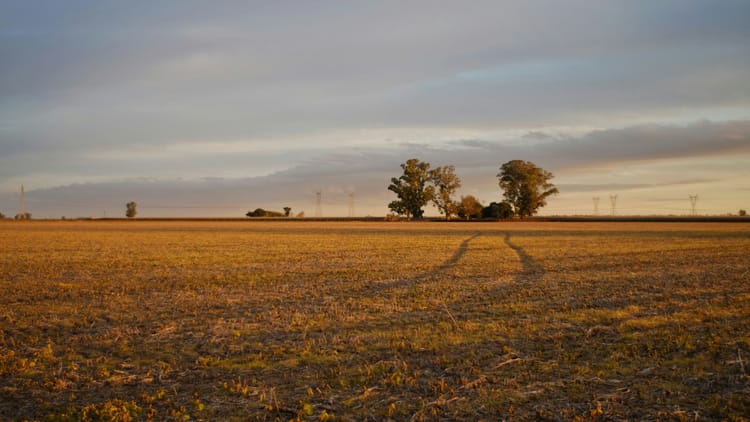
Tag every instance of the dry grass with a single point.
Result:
(370, 321)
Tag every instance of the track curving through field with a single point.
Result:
(532, 271)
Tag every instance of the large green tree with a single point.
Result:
(525, 186)
(446, 182)
(412, 188)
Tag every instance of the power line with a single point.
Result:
(22, 204)
(613, 203)
(693, 201)
(351, 204)
(318, 204)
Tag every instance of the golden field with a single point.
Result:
(136, 320)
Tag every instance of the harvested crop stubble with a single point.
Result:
(313, 320)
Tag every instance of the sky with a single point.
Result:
(194, 108)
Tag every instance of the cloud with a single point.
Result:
(604, 148)
(153, 73)
(618, 187)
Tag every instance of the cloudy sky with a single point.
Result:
(215, 108)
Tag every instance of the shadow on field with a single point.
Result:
(457, 255)
(532, 270)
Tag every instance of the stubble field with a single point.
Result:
(372, 321)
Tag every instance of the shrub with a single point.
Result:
(498, 210)
(260, 212)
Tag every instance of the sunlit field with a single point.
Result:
(136, 320)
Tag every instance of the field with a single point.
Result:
(374, 321)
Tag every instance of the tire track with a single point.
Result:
(446, 265)
(532, 271)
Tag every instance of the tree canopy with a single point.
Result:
(446, 182)
(131, 209)
(469, 207)
(260, 212)
(525, 186)
(498, 210)
(412, 188)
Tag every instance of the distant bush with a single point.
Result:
(131, 209)
(498, 210)
(260, 212)
(743, 213)
(392, 217)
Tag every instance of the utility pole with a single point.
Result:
(596, 205)
(318, 204)
(613, 203)
(22, 204)
(351, 204)
(693, 201)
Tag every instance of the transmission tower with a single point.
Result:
(351, 204)
(693, 201)
(22, 204)
(613, 203)
(318, 204)
(596, 205)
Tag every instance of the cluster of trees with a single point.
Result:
(260, 212)
(420, 185)
(470, 208)
(24, 216)
(525, 186)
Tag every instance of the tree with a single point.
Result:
(498, 210)
(469, 207)
(2, 216)
(130, 209)
(260, 212)
(525, 186)
(287, 211)
(412, 188)
(743, 213)
(446, 182)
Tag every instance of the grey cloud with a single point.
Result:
(146, 72)
(618, 187)
(537, 134)
(603, 148)
(653, 142)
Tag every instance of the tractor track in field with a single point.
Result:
(435, 272)
(532, 271)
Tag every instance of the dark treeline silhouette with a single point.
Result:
(260, 212)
